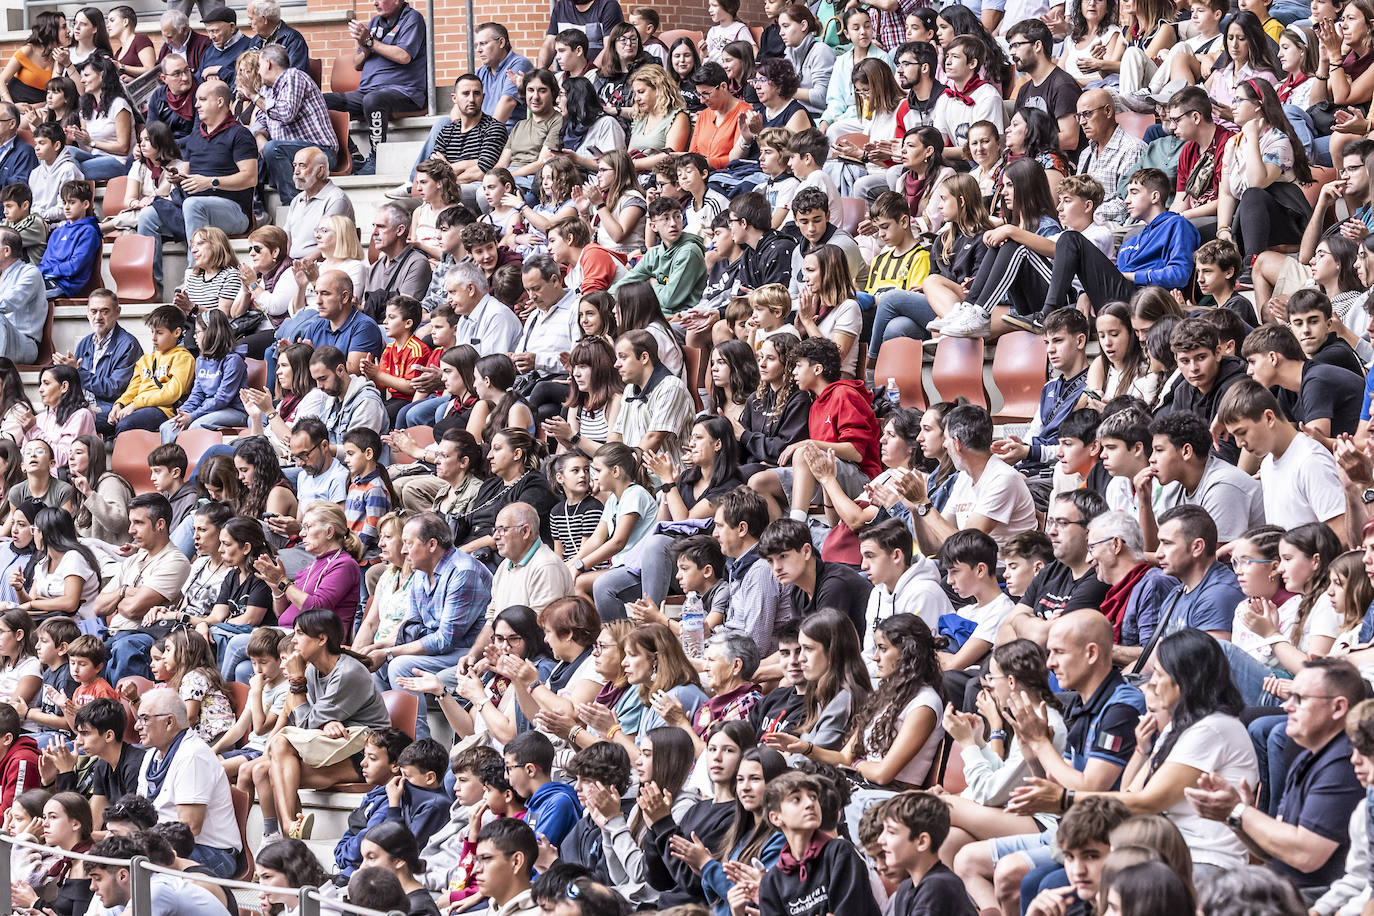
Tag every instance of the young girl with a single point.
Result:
(155, 159)
(187, 665)
(498, 187)
(370, 493)
(612, 203)
(21, 674)
(775, 415)
(66, 578)
(458, 372)
(629, 514)
(578, 513)
(1123, 368)
(386, 605)
(61, 99)
(220, 373)
(727, 28)
(596, 317)
(1335, 272)
(1298, 58)
(1033, 133)
(841, 115)
(438, 188)
(1350, 593)
(35, 62)
(737, 57)
(498, 405)
(750, 836)
(810, 57)
(593, 398)
(877, 97)
(734, 375)
(558, 179)
(827, 306)
(684, 58)
(1094, 37)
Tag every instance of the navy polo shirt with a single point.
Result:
(1319, 794)
(358, 334)
(1210, 606)
(406, 30)
(218, 154)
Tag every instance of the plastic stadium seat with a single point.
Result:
(343, 76)
(958, 369)
(257, 373)
(1018, 371)
(142, 683)
(1135, 124)
(900, 360)
(131, 267)
(238, 695)
(757, 32)
(423, 436)
(242, 803)
(852, 212)
(691, 365)
(402, 706)
(672, 35)
(116, 191)
(130, 458)
(45, 347)
(317, 71)
(197, 442)
(343, 160)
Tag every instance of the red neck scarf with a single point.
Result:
(966, 94)
(1114, 605)
(183, 105)
(1290, 82)
(793, 866)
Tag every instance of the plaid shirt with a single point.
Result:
(1110, 164)
(889, 26)
(295, 112)
(454, 607)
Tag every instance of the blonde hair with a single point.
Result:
(773, 297)
(246, 70)
(397, 517)
(669, 96)
(221, 251)
(332, 514)
(346, 244)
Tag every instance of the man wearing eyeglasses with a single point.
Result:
(17, 158)
(1199, 161)
(1111, 153)
(174, 102)
(530, 572)
(1070, 582)
(1307, 837)
(1048, 87)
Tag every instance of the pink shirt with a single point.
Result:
(60, 436)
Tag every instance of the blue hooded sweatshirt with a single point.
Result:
(72, 253)
(1161, 254)
(217, 385)
(552, 810)
(421, 810)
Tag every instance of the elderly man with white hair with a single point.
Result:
(483, 321)
(316, 198)
(401, 269)
(288, 116)
(530, 572)
(179, 38)
(185, 782)
(264, 18)
(1116, 550)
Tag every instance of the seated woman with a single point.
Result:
(105, 139)
(1094, 39)
(388, 583)
(331, 581)
(104, 511)
(774, 416)
(64, 416)
(17, 551)
(265, 488)
(297, 397)
(661, 127)
(514, 459)
(593, 397)
(392, 846)
(485, 702)
(776, 84)
(150, 177)
(1033, 134)
(750, 837)
(587, 129)
(21, 674)
(244, 602)
(734, 375)
(837, 684)
(570, 629)
(267, 284)
(214, 281)
(615, 706)
(620, 58)
(338, 247)
(498, 404)
(61, 886)
(33, 65)
(66, 578)
(332, 705)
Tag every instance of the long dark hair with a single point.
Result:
(749, 832)
(1032, 200)
(396, 840)
(1259, 47)
(258, 454)
(785, 345)
(1343, 252)
(1027, 662)
(322, 622)
(1198, 666)
(164, 146)
(906, 423)
(47, 26)
(845, 668)
(1135, 363)
(744, 372)
(70, 94)
(110, 86)
(97, 467)
(11, 386)
(19, 620)
(1271, 109)
(696, 62)
(584, 107)
(1314, 540)
(59, 535)
(525, 622)
(1078, 26)
(218, 334)
(963, 21)
(597, 355)
(294, 861)
(1042, 134)
(726, 466)
(463, 357)
(249, 531)
(96, 17)
(74, 399)
(638, 307)
(919, 667)
(499, 370)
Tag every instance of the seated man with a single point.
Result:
(23, 302)
(17, 158)
(174, 102)
(179, 38)
(264, 18)
(391, 55)
(169, 896)
(226, 44)
(288, 117)
(1323, 400)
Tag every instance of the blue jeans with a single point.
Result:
(98, 166)
(149, 418)
(616, 586)
(1269, 735)
(280, 157)
(196, 213)
(233, 659)
(422, 413)
(428, 149)
(184, 536)
(224, 633)
(223, 862)
(1289, 11)
(212, 420)
(1249, 675)
(130, 653)
(407, 665)
(901, 313)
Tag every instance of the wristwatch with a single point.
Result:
(1367, 497)
(1233, 819)
(579, 565)
(214, 183)
(924, 508)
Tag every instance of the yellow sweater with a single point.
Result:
(161, 380)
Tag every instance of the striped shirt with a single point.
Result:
(573, 524)
(205, 290)
(295, 112)
(483, 143)
(891, 270)
(367, 502)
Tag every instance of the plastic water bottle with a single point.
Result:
(693, 626)
(894, 394)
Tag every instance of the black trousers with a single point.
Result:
(1012, 273)
(1077, 258)
(374, 108)
(1266, 217)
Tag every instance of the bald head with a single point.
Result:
(518, 524)
(1080, 650)
(1086, 628)
(310, 169)
(1100, 108)
(163, 701)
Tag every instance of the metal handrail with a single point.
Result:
(141, 871)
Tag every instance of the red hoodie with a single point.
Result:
(844, 413)
(18, 770)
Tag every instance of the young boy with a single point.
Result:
(1079, 198)
(835, 879)
(647, 23)
(701, 569)
(1066, 341)
(1123, 443)
(676, 267)
(604, 764)
(114, 764)
(1085, 839)
(1022, 559)
(811, 212)
(1205, 376)
(900, 265)
(162, 378)
(904, 582)
(782, 185)
(1301, 480)
(552, 808)
(970, 560)
(380, 765)
(1231, 329)
(33, 231)
(448, 853)
(784, 707)
(1218, 267)
(808, 150)
(499, 796)
(1323, 338)
(56, 167)
(267, 649)
(167, 466)
(871, 840)
(769, 307)
(55, 636)
(86, 657)
(450, 223)
(1323, 400)
(724, 265)
(483, 244)
(402, 359)
(703, 204)
(915, 824)
(1078, 453)
(416, 796)
(74, 246)
(443, 326)
(1272, 27)
(738, 314)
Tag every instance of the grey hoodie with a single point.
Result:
(918, 592)
(361, 406)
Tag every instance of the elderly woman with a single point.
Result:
(331, 581)
(332, 704)
(731, 660)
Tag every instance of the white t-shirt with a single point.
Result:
(988, 617)
(1301, 487)
(1216, 744)
(1000, 494)
(917, 768)
(52, 584)
(818, 179)
(103, 128)
(952, 117)
(196, 778)
(10, 677)
(847, 319)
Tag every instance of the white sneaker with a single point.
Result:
(269, 838)
(938, 323)
(967, 321)
(400, 192)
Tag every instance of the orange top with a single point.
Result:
(30, 74)
(715, 141)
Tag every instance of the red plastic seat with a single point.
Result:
(257, 373)
(131, 267)
(343, 160)
(958, 370)
(343, 76)
(242, 804)
(900, 359)
(130, 458)
(852, 212)
(317, 71)
(45, 346)
(238, 694)
(1019, 372)
(116, 192)
(402, 706)
(196, 442)
(672, 35)
(423, 436)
